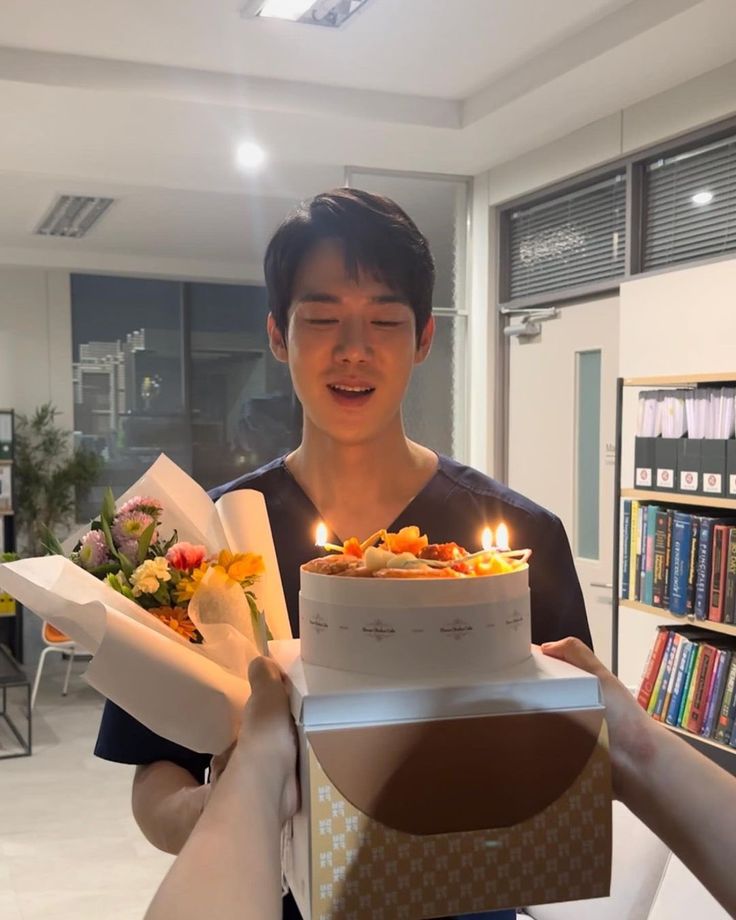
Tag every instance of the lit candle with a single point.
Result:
(321, 540)
(486, 540)
(502, 537)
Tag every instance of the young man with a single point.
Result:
(350, 282)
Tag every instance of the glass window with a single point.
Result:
(243, 409)
(435, 407)
(179, 368)
(587, 480)
(690, 205)
(572, 239)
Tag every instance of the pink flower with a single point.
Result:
(186, 556)
(150, 506)
(93, 551)
(129, 527)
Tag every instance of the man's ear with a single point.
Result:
(425, 342)
(276, 340)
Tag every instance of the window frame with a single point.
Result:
(635, 220)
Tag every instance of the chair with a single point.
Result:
(55, 641)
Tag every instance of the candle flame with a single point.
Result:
(321, 535)
(486, 540)
(502, 537)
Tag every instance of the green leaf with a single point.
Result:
(108, 506)
(125, 564)
(108, 538)
(169, 543)
(50, 543)
(109, 568)
(145, 541)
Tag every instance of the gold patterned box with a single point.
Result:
(427, 799)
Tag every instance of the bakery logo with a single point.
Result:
(515, 621)
(643, 476)
(688, 481)
(456, 628)
(319, 624)
(712, 482)
(379, 630)
(664, 479)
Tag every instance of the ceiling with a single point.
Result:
(147, 100)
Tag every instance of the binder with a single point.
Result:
(665, 464)
(689, 460)
(644, 463)
(713, 480)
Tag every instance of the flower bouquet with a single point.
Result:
(172, 595)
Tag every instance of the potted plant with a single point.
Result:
(50, 476)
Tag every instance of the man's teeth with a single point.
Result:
(346, 389)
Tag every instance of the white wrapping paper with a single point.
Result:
(190, 694)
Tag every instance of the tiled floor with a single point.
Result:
(69, 848)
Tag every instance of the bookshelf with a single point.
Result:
(721, 753)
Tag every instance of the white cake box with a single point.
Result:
(434, 797)
(415, 626)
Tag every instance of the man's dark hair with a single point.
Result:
(377, 237)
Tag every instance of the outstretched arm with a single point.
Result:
(230, 867)
(683, 797)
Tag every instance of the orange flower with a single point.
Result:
(240, 566)
(176, 618)
(352, 547)
(407, 540)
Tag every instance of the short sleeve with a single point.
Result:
(123, 739)
(558, 608)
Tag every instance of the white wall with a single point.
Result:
(35, 340)
(676, 322)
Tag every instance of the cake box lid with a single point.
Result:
(323, 698)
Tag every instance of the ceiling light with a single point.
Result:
(73, 216)
(250, 155)
(704, 197)
(331, 13)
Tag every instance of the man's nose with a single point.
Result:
(353, 343)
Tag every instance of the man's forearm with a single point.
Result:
(688, 802)
(167, 803)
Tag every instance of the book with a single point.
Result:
(660, 556)
(642, 552)
(668, 559)
(687, 700)
(668, 681)
(692, 570)
(718, 572)
(705, 669)
(634, 554)
(651, 668)
(715, 695)
(626, 550)
(653, 699)
(702, 583)
(723, 726)
(687, 650)
(729, 597)
(680, 562)
(649, 555)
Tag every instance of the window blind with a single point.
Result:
(690, 205)
(574, 239)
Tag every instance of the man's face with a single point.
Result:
(351, 347)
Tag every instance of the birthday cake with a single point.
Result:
(397, 605)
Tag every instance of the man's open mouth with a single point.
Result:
(350, 391)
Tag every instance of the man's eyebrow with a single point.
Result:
(317, 297)
(393, 297)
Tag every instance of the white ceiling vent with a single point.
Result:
(330, 13)
(73, 216)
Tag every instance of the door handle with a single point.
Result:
(600, 584)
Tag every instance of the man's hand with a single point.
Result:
(629, 727)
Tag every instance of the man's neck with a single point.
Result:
(359, 488)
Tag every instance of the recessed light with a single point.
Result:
(331, 13)
(704, 197)
(250, 155)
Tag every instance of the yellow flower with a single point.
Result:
(240, 566)
(189, 583)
